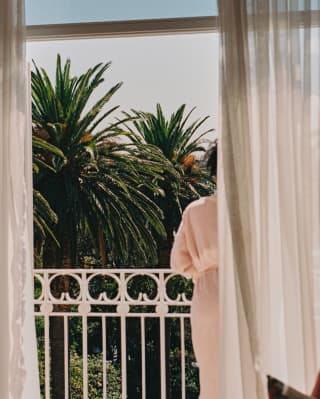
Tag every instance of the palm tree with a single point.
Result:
(98, 188)
(180, 142)
(44, 218)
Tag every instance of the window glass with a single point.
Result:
(43, 12)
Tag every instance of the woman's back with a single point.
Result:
(195, 252)
(195, 248)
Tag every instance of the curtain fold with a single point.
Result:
(18, 360)
(268, 201)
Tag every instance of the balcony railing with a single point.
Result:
(126, 333)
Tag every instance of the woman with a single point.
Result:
(195, 252)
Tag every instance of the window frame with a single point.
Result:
(145, 27)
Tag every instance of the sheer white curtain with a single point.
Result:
(268, 193)
(19, 374)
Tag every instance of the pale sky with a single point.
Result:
(62, 11)
(171, 70)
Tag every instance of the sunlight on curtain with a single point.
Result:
(269, 193)
(19, 374)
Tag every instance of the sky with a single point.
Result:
(73, 11)
(68, 11)
(170, 70)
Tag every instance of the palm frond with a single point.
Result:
(103, 181)
(180, 141)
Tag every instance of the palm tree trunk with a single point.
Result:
(102, 248)
(56, 324)
(56, 334)
(164, 249)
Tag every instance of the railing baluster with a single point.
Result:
(143, 357)
(46, 356)
(85, 355)
(183, 357)
(161, 309)
(104, 358)
(123, 358)
(46, 309)
(66, 357)
(163, 357)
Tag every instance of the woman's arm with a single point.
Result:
(181, 260)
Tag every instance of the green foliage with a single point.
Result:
(95, 379)
(180, 142)
(192, 372)
(44, 218)
(192, 377)
(123, 184)
(174, 137)
(98, 186)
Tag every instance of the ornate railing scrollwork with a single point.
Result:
(128, 290)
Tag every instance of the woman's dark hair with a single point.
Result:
(212, 159)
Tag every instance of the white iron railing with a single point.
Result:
(106, 295)
(127, 294)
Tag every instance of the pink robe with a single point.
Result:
(195, 253)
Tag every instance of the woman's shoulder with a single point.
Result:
(201, 204)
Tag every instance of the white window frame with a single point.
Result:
(132, 28)
(143, 27)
